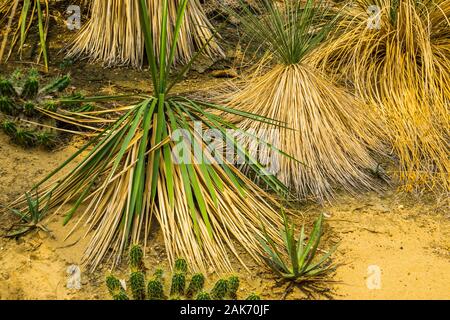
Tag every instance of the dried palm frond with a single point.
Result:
(398, 60)
(153, 162)
(326, 129)
(113, 35)
(31, 12)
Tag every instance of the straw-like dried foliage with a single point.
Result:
(397, 58)
(152, 164)
(18, 19)
(113, 35)
(328, 133)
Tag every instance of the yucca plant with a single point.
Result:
(297, 261)
(132, 173)
(114, 36)
(328, 132)
(396, 59)
(32, 15)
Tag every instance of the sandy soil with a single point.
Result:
(407, 238)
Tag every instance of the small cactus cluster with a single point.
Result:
(22, 99)
(180, 287)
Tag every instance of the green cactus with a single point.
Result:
(159, 274)
(25, 138)
(137, 285)
(115, 288)
(29, 108)
(196, 285)
(7, 105)
(233, 287)
(46, 139)
(220, 290)
(253, 297)
(181, 265)
(31, 86)
(203, 296)
(7, 88)
(155, 287)
(178, 284)
(155, 290)
(57, 85)
(121, 296)
(9, 128)
(135, 258)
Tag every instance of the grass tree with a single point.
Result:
(397, 58)
(130, 175)
(327, 130)
(114, 36)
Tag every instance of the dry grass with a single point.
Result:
(327, 130)
(402, 69)
(113, 35)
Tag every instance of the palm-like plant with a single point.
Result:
(31, 11)
(328, 131)
(114, 36)
(397, 59)
(128, 175)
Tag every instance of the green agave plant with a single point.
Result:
(127, 176)
(30, 221)
(299, 262)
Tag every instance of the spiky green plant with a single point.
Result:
(115, 288)
(30, 221)
(196, 285)
(299, 262)
(6, 88)
(31, 85)
(178, 285)
(181, 265)
(203, 296)
(7, 105)
(137, 285)
(130, 174)
(47, 139)
(9, 127)
(136, 256)
(25, 137)
(155, 287)
(29, 108)
(233, 287)
(220, 290)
